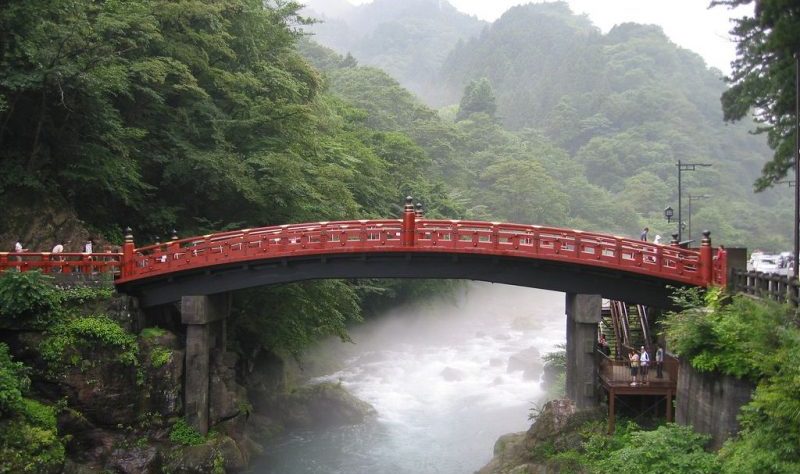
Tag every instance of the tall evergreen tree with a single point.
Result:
(763, 77)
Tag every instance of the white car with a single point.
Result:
(767, 263)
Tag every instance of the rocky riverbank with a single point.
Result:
(115, 392)
(527, 452)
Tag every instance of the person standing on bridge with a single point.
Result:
(643, 235)
(57, 249)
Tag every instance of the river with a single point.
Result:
(439, 376)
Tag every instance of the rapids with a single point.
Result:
(438, 374)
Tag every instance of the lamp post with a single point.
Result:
(681, 168)
(693, 198)
(668, 213)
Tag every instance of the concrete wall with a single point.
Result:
(710, 402)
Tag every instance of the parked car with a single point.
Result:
(767, 263)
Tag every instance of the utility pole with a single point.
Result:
(684, 167)
(796, 255)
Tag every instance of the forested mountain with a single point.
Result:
(605, 117)
(409, 39)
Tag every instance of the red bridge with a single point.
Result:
(411, 247)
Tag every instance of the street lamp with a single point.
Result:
(684, 167)
(694, 198)
(668, 213)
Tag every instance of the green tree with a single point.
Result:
(478, 98)
(763, 78)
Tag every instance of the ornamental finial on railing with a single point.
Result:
(409, 218)
(174, 235)
(128, 249)
(675, 242)
(706, 259)
(420, 212)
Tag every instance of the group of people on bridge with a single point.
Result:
(87, 247)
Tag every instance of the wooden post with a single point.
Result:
(127, 265)
(409, 223)
(612, 413)
(706, 260)
(669, 407)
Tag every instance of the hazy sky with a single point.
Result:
(689, 23)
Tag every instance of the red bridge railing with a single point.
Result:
(412, 233)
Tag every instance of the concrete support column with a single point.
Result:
(199, 314)
(583, 314)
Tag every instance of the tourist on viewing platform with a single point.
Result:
(644, 362)
(643, 235)
(603, 344)
(87, 247)
(657, 240)
(660, 362)
(634, 360)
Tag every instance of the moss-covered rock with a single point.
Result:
(322, 405)
(162, 363)
(216, 455)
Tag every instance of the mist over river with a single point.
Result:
(438, 375)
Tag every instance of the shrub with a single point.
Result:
(27, 297)
(29, 441)
(14, 383)
(69, 338)
(182, 433)
(148, 333)
(160, 356)
(671, 448)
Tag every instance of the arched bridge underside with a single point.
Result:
(412, 247)
(520, 271)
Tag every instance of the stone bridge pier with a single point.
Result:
(584, 312)
(204, 317)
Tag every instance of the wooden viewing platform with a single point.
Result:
(615, 378)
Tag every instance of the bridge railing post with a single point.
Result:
(409, 222)
(128, 248)
(706, 260)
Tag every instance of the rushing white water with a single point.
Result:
(439, 376)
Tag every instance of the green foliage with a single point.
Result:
(14, 382)
(182, 433)
(763, 79)
(27, 297)
(77, 295)
(29, 440)
(68, 340)
(289, 318)
(671, 448)
(738, 338)
(478, 98)
(151, 332)
(160, 356)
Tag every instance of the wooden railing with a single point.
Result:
(67, 263)
(781, 288)
(618, 372)
(412, 233)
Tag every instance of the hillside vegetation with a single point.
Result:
(607, 117)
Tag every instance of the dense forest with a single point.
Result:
(600, 118)
(205, 115)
